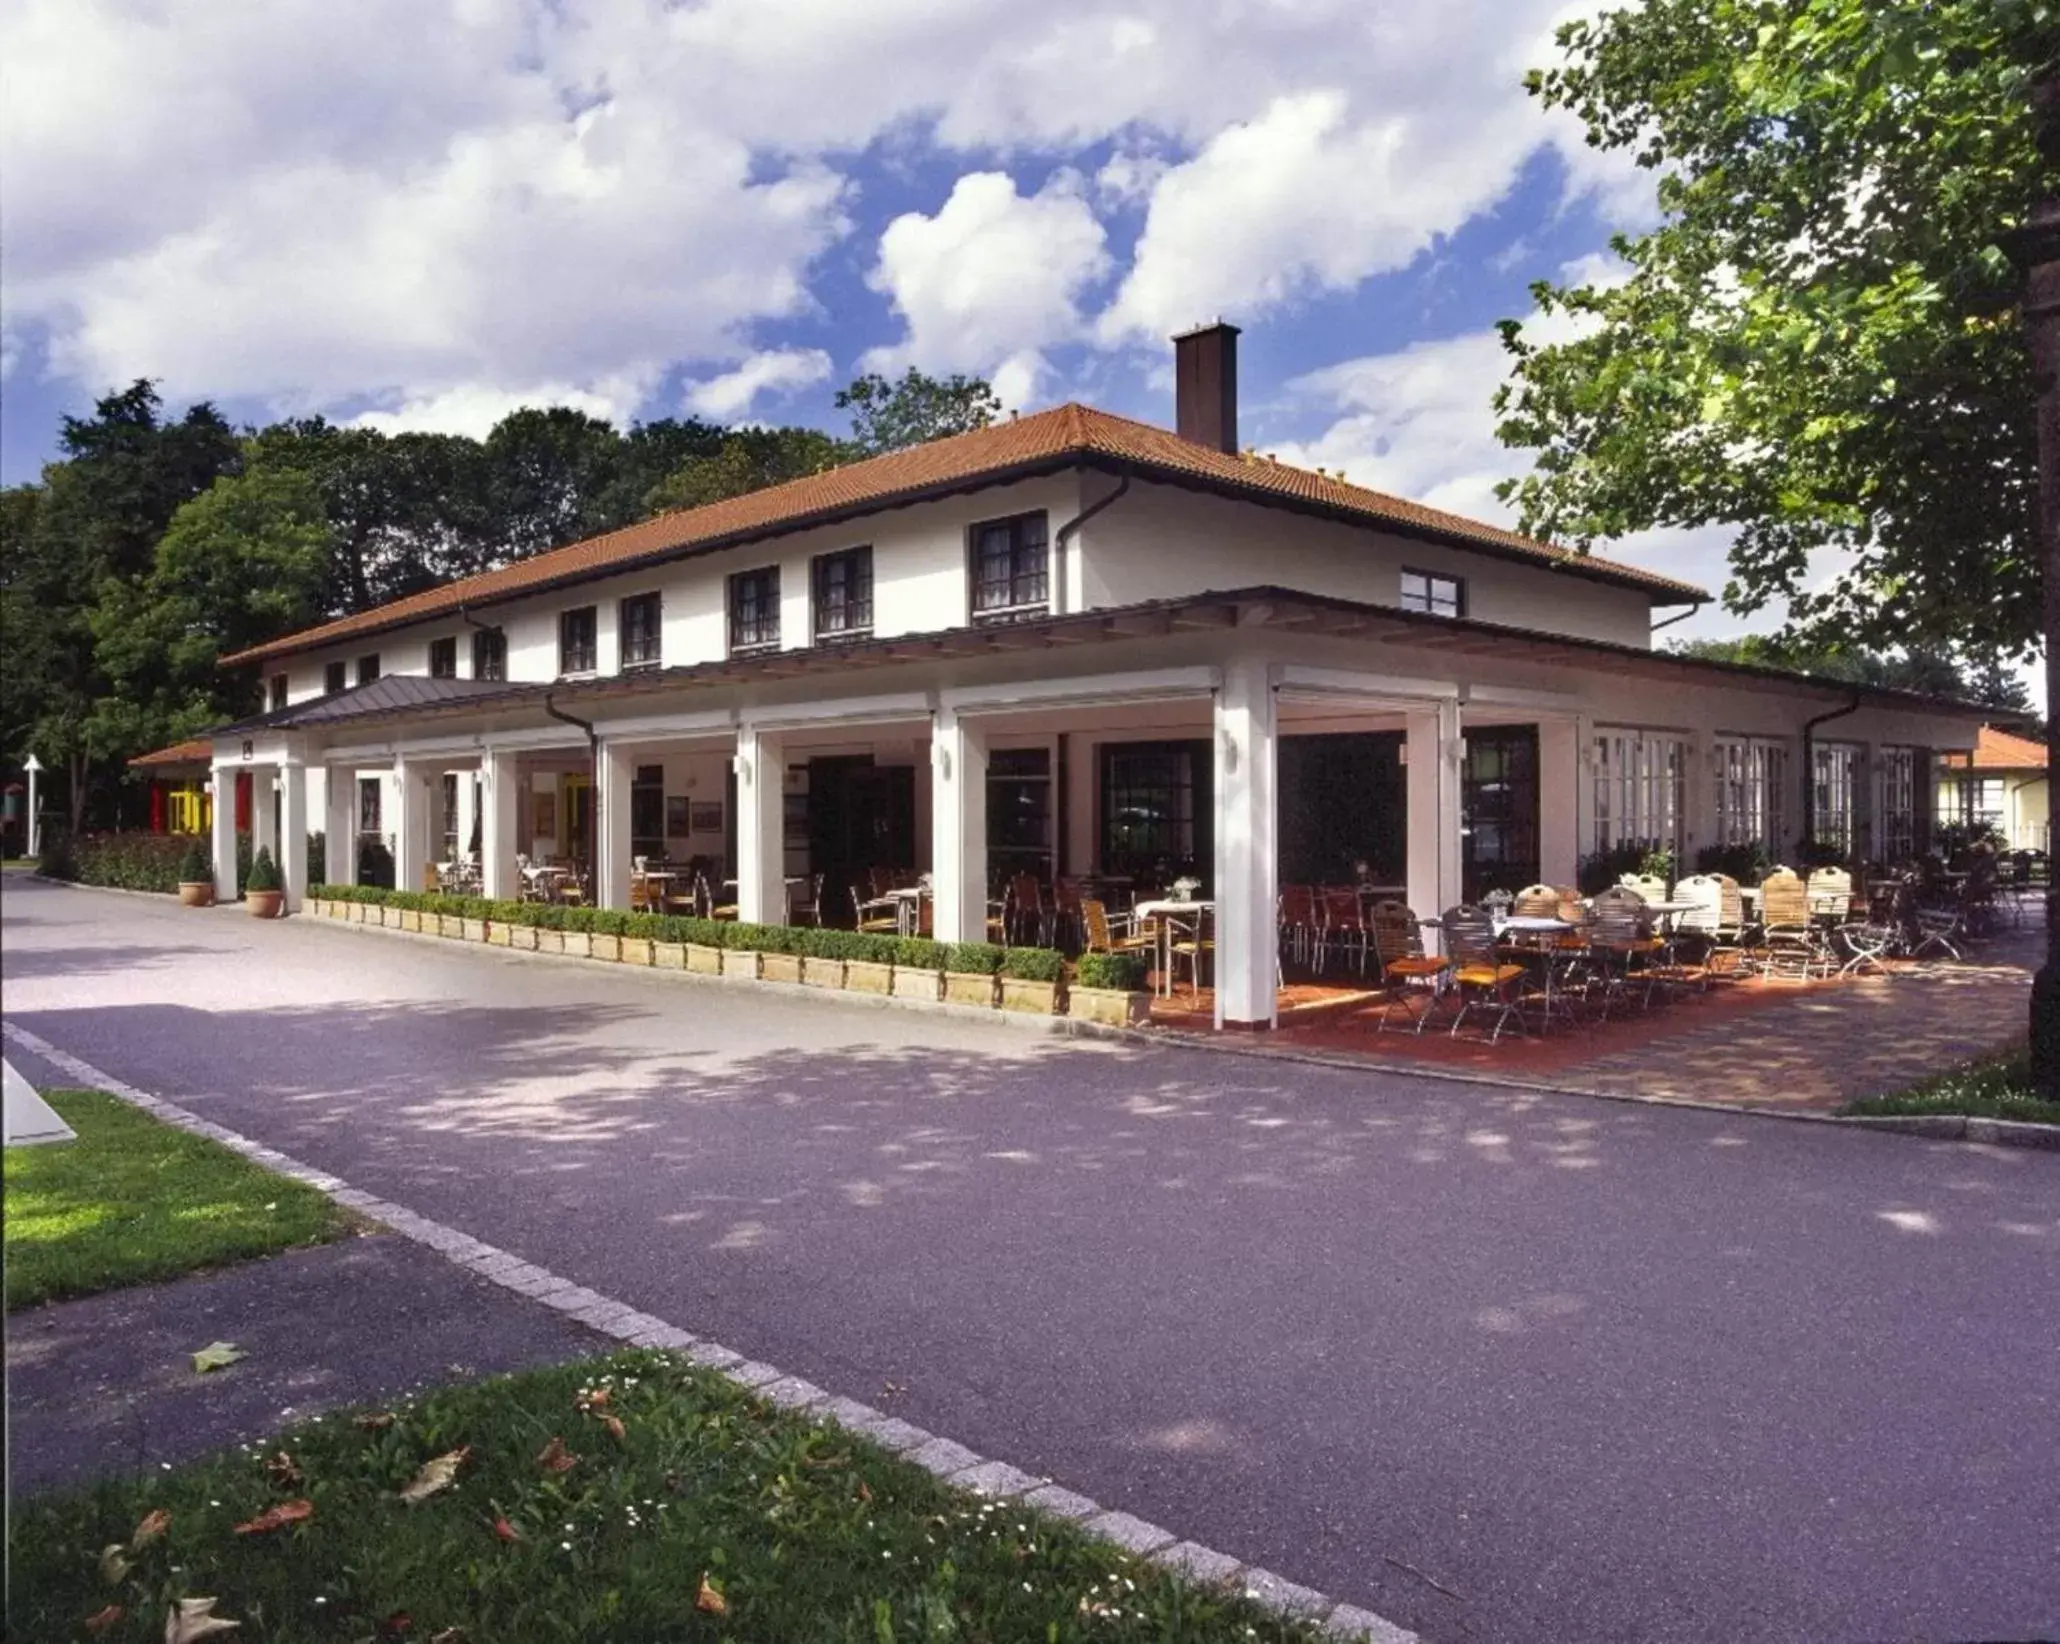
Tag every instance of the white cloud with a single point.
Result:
(474, 409)
(771, 371)
(991, 280)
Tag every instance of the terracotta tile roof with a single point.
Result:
(199, 750)
(1042, 443)
(1996, 750)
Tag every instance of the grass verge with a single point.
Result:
(1995, 1088)
(134, 1200)
(692, 1511)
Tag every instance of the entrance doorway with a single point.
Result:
(1344, 809)
(860, 815)
(576, 806)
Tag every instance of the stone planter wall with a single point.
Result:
(577, 944)
(1032, 998)
(705, 961)
(473, 930)
(922, 987)
(779, 967)
(868, 976)
(636, 950)
(961, 988)
(598, 947)
(736, 963)
(669, 955)
(550, 941)
(1111, 1007)
(823, 973)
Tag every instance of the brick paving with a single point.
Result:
(1791, 1046)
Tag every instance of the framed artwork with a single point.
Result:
(707, 816)
(676, 816)
(545, 816)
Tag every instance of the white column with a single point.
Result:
(1562, 775)
(340, 825)
(293, 833)
(958, 828)
(612, 840)
(413, 805)
(1435, 751)
(264, 816)
(761, 844)
(225, 833)
(1247, 848)
(500, 831)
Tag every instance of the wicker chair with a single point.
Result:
(1398, 945)
(1623, 948)
(1482, 978)
(874, 915)
(1649, 886)
(1790, 945)
(1108, 932)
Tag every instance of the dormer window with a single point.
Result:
(1435, 595)
(368, 667)
(755, 611)
(1011, 569)
(335, 679)
(275, 692)
(641, 628)
(578, 644)
(443, 658)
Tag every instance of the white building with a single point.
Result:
(1068, 642)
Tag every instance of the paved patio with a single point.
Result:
(1796, 1046)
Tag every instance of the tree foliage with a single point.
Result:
(1817, 345)
(1930, 671)
(886, 416)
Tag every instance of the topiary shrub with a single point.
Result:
(1123, 972)
(974, 958)
(197, 865)
(916, 952)
(1033, 965)
(264, 873)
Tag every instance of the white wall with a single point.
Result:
(1158, 542)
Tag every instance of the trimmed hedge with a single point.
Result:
(132, 861)
(1124, 972)
(806, 941)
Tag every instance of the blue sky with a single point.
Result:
(423, 213)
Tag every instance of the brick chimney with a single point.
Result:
(1205, 386)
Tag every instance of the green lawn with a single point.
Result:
(133, 1200)
(706, 1514)
(1998, 1088)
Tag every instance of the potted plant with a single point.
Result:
(970, 969)
(1109, 988)
(1030, 979)
(196, 877)
(918, 969)
(262, 890)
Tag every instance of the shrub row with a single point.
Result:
(135, 861)
(904, 952)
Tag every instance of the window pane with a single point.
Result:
(368, 668)
(489, 654)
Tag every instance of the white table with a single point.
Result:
(1165, 911)
(908, 907)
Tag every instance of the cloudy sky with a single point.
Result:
(423, 213)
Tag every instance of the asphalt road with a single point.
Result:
(1498, 1366)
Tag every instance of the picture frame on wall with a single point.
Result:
(545, 816)
(706, 816)
(678, 821)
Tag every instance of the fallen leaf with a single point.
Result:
(505, 1530)
(100, 1620)
(114, 1564)
(285, 1472)
(277, 1517)
(710, 1598)
(217, 1355)
(437, 1474)
(555, 1458)
(613, 1424)
(192, 1619)
(155, 1523)
(593, 1398)
(864, 1494)
(376, 1420)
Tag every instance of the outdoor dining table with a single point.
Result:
(1550, 959)
(1165, 910)
(908, 907)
